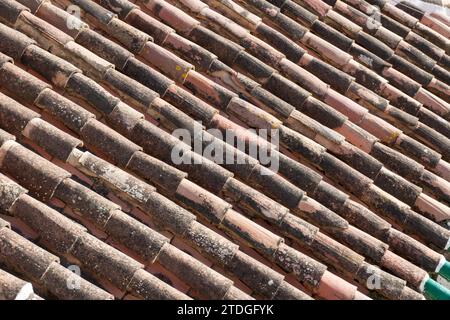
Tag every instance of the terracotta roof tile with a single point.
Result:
(132, 89)
(11, 11)
(183, 22)
(211, 41)
(130, 37)
(60, 18)
(85, 59)
(354, 47)
(164, 60)
(14, 288)
(98, 209)
(121, 229)
(30, 88)
(360, 78)
(10, 193)
(95, 10)
(410, 102)
(45, 135)
(393, 26)
(55, 277)
(72, 115)
(16, 248)
(21, 164)
(116, 147)
(109, 50)
(439, 17)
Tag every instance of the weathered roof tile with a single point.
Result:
(71, 114)
(39, 175)
(209, 40)
(267, 100)
(83, 200)
(10, 11)
(44, 33)
(13, 288)
(95, 10)
(131, 88)
(156, 171)
(23, 256)
(173, 16)
(53, 227)
(211, 206)
(166, 61)
(138, 237)
(168, 212)
(84, 59)
(56, 278)
(132, 38)
(13, 116)
(147, 76)
(62, 19)
(150, 287)
(102, 259)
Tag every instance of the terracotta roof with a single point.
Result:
(87, 110)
